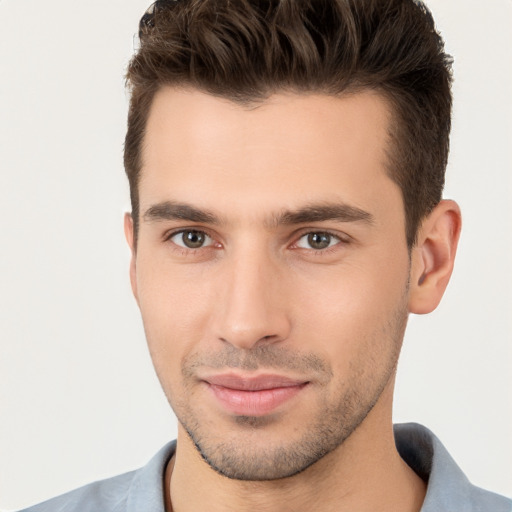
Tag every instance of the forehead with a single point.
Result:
(291, 148)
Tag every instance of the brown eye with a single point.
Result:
(317, 240)
(191, 239)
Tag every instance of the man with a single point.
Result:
(286, 163)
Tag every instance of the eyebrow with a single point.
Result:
(170, 210)
(341, 212)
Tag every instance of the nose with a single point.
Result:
(251, 308)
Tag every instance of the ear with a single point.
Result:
(433, 257)
(130, 238)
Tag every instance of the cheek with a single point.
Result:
(175, 306)
(355, 311)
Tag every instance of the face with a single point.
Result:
(271, 272)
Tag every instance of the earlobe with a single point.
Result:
(130, 238)
(433, 257)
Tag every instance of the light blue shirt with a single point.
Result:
(448, 489)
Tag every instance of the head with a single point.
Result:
(247, 51)
(286, 163)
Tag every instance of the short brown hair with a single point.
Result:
(245, 50)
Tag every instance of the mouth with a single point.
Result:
(253, 395)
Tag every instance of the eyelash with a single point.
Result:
(188, 250)
(341, 240)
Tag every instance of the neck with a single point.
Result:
(365, 473)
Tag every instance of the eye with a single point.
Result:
(191, 239)
(317, 240)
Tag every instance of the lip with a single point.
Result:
(253, 395)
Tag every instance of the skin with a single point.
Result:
(258, 295)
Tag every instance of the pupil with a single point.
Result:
(319, 240)
(193, 239)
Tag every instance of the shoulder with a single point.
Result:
(448, 488)
(136, 491)
(107, 495)
(486, 501)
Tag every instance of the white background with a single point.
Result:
(78, 398)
